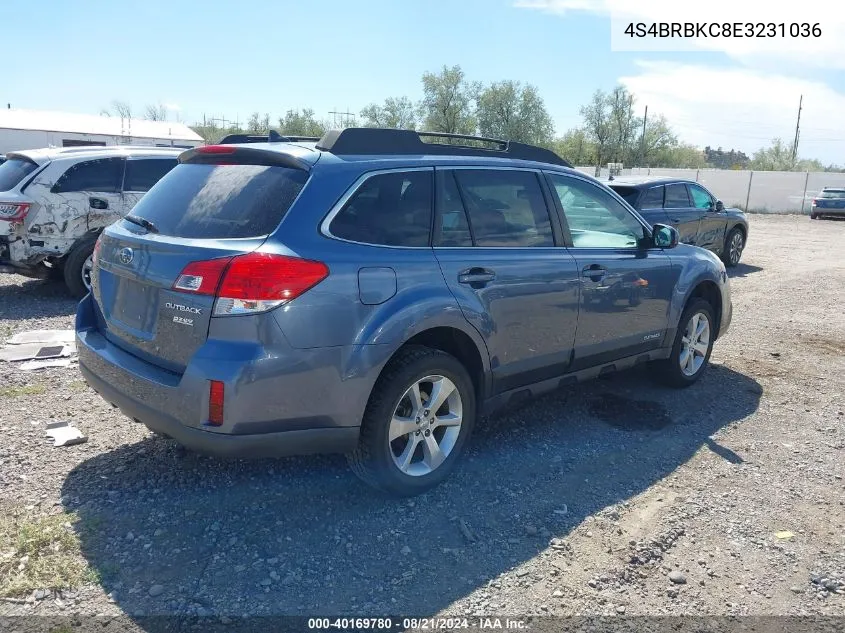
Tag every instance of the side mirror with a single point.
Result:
(720, 206)
(664, 236)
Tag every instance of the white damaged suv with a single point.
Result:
(54, 203)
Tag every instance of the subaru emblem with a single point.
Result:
(126, 255)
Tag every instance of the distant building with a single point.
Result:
(32, 129)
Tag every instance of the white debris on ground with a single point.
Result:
(38, 349)
(63, 434)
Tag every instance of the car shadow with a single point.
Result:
(35, 298)
(179, 535)
(743, 270)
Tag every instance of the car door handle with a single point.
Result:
(98, 203)
(476, 276)
(594, 272)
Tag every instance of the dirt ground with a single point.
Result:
(617, 497)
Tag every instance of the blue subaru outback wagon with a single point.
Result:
(375, 291)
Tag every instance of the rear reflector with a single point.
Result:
(14, 211)
(215, 402)
(251, 283)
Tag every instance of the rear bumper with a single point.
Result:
(279, 401)
(832, 212)
(279, 444)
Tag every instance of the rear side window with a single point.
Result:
(505, 207)
(653, 198)
(143, 173)
(221, 201)
(629, 194)
(13, 171)
(677, 197)
(452, 224)
(104, 175)
(392, 209)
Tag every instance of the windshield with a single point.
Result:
(829, 194)
(13, 171)
(629, 194)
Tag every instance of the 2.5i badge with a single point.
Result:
(183, 320)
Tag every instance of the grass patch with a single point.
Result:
(78, 385)
(40, 553)
(26, 390)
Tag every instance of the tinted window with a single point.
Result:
(391, 209)
(143, 173)
(653, 198)
(103, 174)
(221, 201)
(676, 197)
(452, 225)
(629, 194)
(595, 218)
(13, 171)
(827, 194)
(700, 198)
(505, 207)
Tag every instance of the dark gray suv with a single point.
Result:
(376, 291)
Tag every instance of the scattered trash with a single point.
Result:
(563, 511)
(42, 336)
(785, 534)
(30, 351)
(32, 365)
(63, 434)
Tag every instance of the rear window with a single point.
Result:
(13, 171)
(629, 194)
(829, 194)
(221, 201)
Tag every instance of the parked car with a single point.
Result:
(829, 203)
(2, 158)
(374, 293)
(54, 203)
(700, 218)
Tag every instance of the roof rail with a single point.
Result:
(272, 137)
(365, 141)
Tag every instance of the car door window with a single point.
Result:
(677, 197)
(143, 173)
(595, 218)
(506, 208)
(653, 198)
(452, 225)
(392, 209)
(700, 198)
(103, 175)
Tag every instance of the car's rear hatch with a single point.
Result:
(219, 203)
(831, 199)
(14, 205)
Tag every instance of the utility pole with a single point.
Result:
(345, 117)
(642, 141)
(797, 131)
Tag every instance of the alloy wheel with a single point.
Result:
(694, 344)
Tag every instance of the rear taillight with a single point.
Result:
(95, 256)
(216, 149)
(815, 202)
(251, 283)
(14, 211)
(215, 402)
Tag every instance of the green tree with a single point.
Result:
(598, 125)
(395, 112)
(258, 124)
(680, 155)
(301, 123)
(623, 125)
(447, 100)
(576, 147)
(659, 140)
(776, 157)
(511, 111)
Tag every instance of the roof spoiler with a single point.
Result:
(366, 141)
(272, 137)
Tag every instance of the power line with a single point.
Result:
(797, 130)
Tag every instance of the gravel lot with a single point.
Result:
(609, 498)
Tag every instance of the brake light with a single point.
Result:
(95, 256)
(216, 149)
(14, 211)
(215, 402)
(251, 283)
(815, 202)
(202, 278)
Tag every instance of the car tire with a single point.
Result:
(813, 216)
(75, 264)
(406, 465)
(675, 371)
(734, 245)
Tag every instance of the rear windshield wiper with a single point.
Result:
(134, 219)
